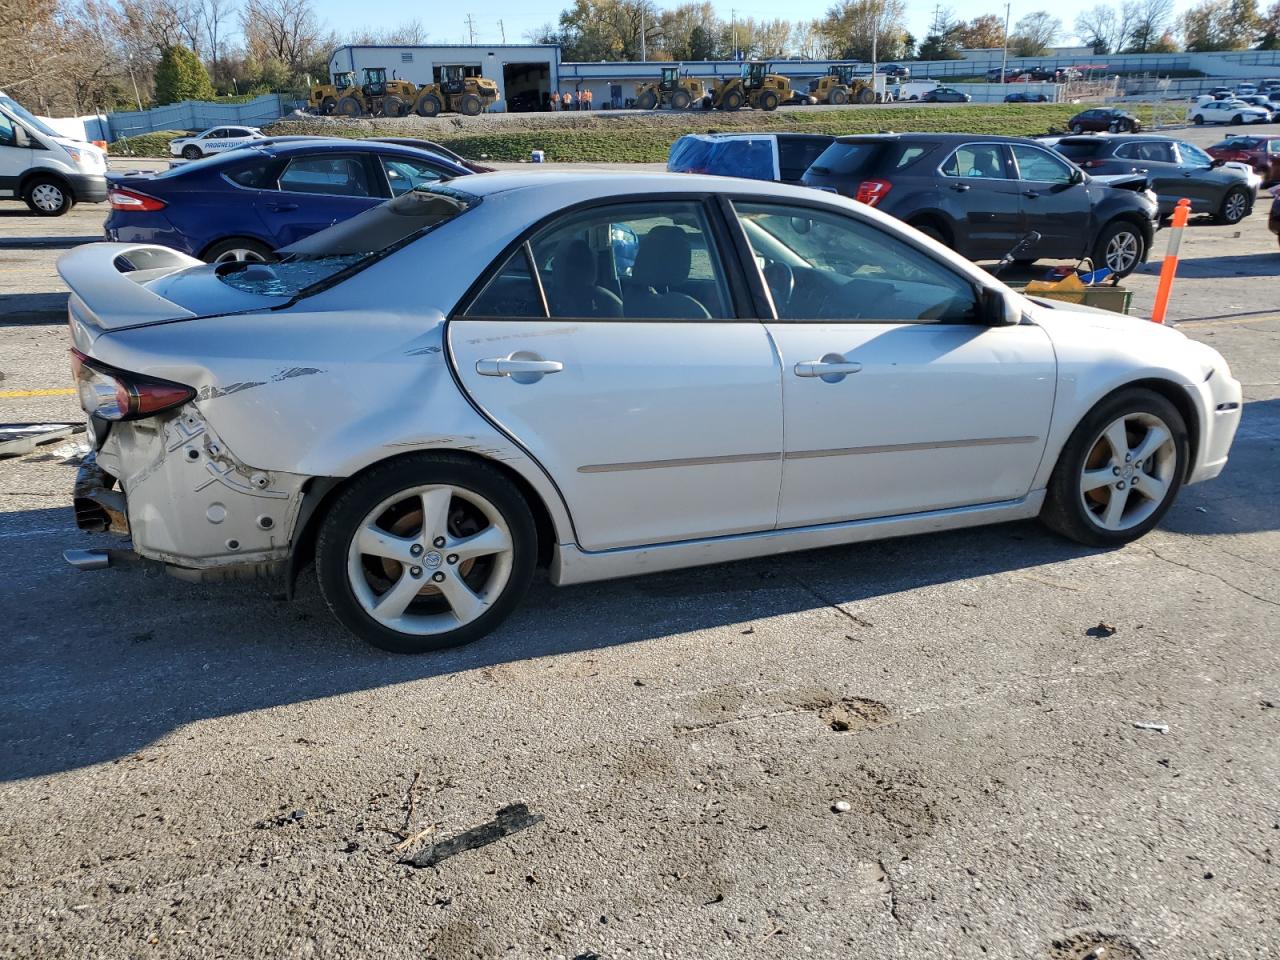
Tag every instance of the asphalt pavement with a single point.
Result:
(987, 743)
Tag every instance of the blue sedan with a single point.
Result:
(246, 203)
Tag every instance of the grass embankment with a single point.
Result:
(645, 138)
(145, 144)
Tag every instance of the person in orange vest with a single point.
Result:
(586, 99)
(567, 99)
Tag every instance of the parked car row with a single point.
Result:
(1235, 112)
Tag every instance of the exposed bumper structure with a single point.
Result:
(185, 499)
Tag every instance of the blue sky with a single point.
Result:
(521, 16)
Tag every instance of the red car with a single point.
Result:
(1262, 152)
(1274, 220)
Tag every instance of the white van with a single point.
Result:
(48, 171)
(913, 89)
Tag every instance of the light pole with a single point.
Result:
(1004, 55)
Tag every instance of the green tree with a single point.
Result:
(1221, 25)
(1271, 28)
(181, 76)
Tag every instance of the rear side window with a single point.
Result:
(330, 175)
(845, 158)
(258, 175)
(513, 291)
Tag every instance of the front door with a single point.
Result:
(14, 160)
(609, 348)
(1055, 203)
(318, 191)
(896, 400)
(983, 201)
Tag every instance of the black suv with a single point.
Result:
(1174, 168)
(1101, 119)
(981, 194)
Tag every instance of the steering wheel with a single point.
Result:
(782, 283)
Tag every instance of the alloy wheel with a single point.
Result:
(1122, 252)
(240, 255)
(1129, 471)
(1236, 207)
(430, 559)
(47, 197)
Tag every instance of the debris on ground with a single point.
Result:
(17, 439)
(1103, 629)
(841, 806)
(1145, 725)
(283, 820)
(510, 819)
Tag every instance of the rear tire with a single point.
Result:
(442, 505)
(47, 197)
(1077, 128)
(1237, 120)
(349, 107)
(932, 232)
(680, 100)
(239, 250)
(648, 100)
(866, 97)
(1092, 473)
(394, 107)
(327, 105)
(1198, 120)
(768, 101)
(838, 98)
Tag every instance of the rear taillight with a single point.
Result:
(872, 192)
(1091, 164)
(113, 394)
(131, 200)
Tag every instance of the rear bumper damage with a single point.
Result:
(186, 501)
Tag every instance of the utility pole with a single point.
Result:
(504, 31)
(875, 41)
(471, 27)
(733, 32)
(1004, 55)
(644, 53)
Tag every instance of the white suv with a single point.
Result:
(214, 140)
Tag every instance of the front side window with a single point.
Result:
(7, 136)
(405, 175)
(984, 160)
(331, 175)
(823, 266)
(217, 134)
(1040, 165)
(636, 261)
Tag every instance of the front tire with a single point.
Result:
(47, 197)
(470, 105)
(428, 105)
(1077, 128)
(838, 97)
(732, 101)
(1120, 470)
(349, 107)
(1235, 206)
(1198, 120)
(648, 101)
(1120, 247)
(426, 552)
(191, 152)
(680, 100)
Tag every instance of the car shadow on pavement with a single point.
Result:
(28, 309)
(100, 665)
(1238, 265)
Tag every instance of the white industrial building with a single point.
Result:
(523, 72)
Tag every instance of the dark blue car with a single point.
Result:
(246, 203)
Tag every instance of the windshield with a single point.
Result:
(346, 248)
(27, 117)
(1191, 154)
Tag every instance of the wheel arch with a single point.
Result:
(1169, 390)
(1132, 217)
(938, 221)
(44, 173)
(204, 251)
(320, 493)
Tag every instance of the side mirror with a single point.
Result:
(999, 308)
(1077, 176)
(20, 136)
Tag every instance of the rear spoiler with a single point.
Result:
(107, 279)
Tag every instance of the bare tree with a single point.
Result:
(285, 31)
(1106, 28)
(1035, 33)
(212, 15)
(1148, 21)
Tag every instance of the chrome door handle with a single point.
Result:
(960, 187)
(1031, 194)
(521, 367)
(283, 207)
(828, 367)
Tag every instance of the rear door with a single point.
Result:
(1157, 160)
(1055, 202)
(984, 202)
(1200, 182)
(610, 347)
(315, 191)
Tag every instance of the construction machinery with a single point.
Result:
(324, 97)
(840, 86)
(672, 90)
(377, 96)
(456, 93)
(756, 88)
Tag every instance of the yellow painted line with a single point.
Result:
(60, 392)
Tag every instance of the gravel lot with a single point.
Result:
(916, 748)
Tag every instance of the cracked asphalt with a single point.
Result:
(916, 748)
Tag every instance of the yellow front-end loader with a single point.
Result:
(840, 86)
(456, 93)
(672, 90)
(377, 96)
(756, 88)
(324, 97)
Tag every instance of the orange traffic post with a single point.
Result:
(1170, 266)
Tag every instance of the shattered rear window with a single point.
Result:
(338, 252)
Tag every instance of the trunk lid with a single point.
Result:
(116, 286)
